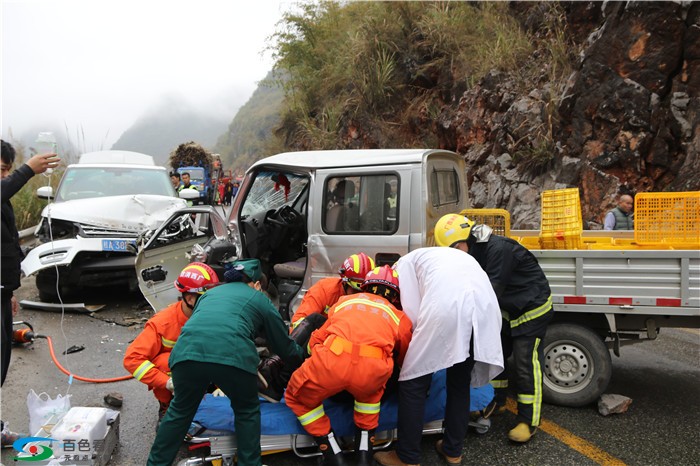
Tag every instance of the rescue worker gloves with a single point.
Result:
(355, 268)
(196, 277)
(451, 229)
(169, 385)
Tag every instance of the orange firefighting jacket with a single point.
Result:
(158, 337)
(319, 298)
(362, 320)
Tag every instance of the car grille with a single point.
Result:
(93, 231)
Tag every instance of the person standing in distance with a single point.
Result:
(525, 300)
(621, 217)
(12, 255)
(175, 180)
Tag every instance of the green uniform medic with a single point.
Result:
(217, 345)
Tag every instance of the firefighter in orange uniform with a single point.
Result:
(147, 356)
(326, 292)
(312, 312)
(353, 351)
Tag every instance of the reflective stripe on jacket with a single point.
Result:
(158, 336)
(320, 297)
(367, 319)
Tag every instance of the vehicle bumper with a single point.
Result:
(62, 253)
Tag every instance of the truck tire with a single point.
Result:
(577, 366)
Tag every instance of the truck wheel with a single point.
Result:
(46, 284)
(577, 366)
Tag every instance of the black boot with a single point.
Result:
(364, 440)
(332, 454)
(271, 383)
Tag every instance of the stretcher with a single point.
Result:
(281, 431)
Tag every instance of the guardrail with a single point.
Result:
(26, 236)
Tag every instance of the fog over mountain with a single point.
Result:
(174, 121)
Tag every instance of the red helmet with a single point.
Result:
(355, 268)
(381, 276)
(197, 277)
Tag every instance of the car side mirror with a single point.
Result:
(189, 194)
(45, 192)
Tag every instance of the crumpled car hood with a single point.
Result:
(132, 212)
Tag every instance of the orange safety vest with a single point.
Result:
(320, 297)
(146, 358)
(360, 321)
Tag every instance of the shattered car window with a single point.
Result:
(271, 190)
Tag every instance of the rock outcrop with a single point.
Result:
(626, 121)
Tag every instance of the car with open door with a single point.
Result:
(303, 213)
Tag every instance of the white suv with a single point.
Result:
(100, 207)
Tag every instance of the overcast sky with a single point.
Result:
(98, 65)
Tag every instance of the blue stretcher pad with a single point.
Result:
(215, 413)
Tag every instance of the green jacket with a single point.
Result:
(223, 327)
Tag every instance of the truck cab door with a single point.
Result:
(191, 234)
(360, 209)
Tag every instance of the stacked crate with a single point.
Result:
(667, 219)
(498, 219)
(561, 224)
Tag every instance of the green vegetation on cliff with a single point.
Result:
(379, 74)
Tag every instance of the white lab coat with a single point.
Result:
(447, 295)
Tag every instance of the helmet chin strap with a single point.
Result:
(184, 299)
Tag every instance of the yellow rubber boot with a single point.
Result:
(522, 433)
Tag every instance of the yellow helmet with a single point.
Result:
(452, 228)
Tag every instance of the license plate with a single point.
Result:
(116, 244)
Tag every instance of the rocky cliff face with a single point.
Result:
(627, 119)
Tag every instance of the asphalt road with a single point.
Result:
(660, 428)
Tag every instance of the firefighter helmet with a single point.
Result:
(383, 281)
(196, 277)
(355, 268)
(451, 229)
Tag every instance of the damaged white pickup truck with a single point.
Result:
(87, 230)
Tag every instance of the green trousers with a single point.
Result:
(191, 379)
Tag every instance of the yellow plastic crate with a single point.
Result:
(671, 219)
(561, 225)
(530, 242)
(498, 219)
(561, 240)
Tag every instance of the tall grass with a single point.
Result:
(370, 60)
(27, 205)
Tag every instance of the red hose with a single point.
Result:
(77, 377)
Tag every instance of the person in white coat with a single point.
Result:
(456, 326)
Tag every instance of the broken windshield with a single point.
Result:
(271, 190)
